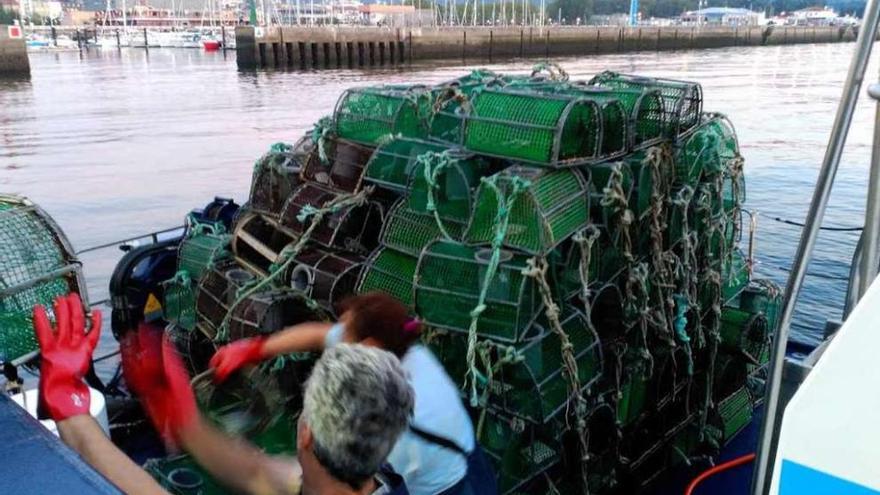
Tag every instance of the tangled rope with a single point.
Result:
(322, 130)
(287, 255)
(433, 165)
(502, 220)
(554, 70)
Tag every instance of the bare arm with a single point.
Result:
(304, 337)
(82, 434)
(239, 465)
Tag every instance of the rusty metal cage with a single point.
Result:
(344, 167)
(257, 241)
(324, 276)
(276, 175)
(355, 228)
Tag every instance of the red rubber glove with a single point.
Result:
(65, 357)
(232, 357)
(154, 371)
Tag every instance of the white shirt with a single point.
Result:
(426, 467)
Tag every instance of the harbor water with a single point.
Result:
(116, 143)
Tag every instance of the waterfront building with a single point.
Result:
(724, 16)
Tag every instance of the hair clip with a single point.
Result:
(413, 325)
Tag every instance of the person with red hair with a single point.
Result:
(438, 453)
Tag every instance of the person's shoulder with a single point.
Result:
(391, 483)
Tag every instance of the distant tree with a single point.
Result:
(570, 10)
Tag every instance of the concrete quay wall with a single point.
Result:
(13, 54)
(330, 47)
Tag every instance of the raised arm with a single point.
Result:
(66, 354)
(303, 337)
(154, 370)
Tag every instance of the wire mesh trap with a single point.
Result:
(341, 169)
(276, 175)
(448, 282)
(542, 129)
(371, 115)
(409, 231)
(37, 264)
(324, 276)
(179, 305)
(257, 242)
(353, 228)
(682, 100)
(444, 183)
(392, 272)
(543, 208)
(203, 246)
(391, 165)
(709, 150)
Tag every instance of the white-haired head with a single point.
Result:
(357, 403)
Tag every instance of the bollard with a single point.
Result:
(54, 36)
(146, 42)
(118, 41)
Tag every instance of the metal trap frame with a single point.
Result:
(457, 175)
(390, 271)
(708, 150)
(355, 228)
(217, 291)
(37, 264)
(409, 231)
(554, 205)
(391, 166)
(448, 281)
(203, 245)
(344, 168)
(179, 301)
(324, 276)
(276, 175)
(682, 100)
(257, 242)
(372, 114)
(541, 129)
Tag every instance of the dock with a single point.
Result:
(13, 52)
(332, 47)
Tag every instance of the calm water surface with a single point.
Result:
(115, 144)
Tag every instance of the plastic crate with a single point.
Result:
(553, 206)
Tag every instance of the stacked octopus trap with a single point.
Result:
(571, 246)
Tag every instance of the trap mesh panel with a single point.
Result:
(345, 165)
(409, 232)
(37, 265)
(200, 249)
(455, 184)
(734, 275)
(276, 175)
(217, 291)
(762, 296)
(449, 278)
(371, 115)
(544, 129)
(708, 150)
(553, 206)
(644, 184)
(452, 103)
(390, 271)
(632, 398)
(180, 301)
(744, 333)
(733, 413)
(536, 388)
(392, 164)
(682, 100)
(325, 277)
(257, 241)
(518, 451)
(269, 311)
(352, 228)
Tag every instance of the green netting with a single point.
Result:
(553, 206)
(392, 272)
(200, 250)
(682, 100)
(448, 282)
(373, 115)
(708, 150)
(543, 129)
(392, 163)
(180, 301)
(276, 175)
(36, 266)
(445, 182)
(742, 332)
(763, 296)
(734, 413)
(631, 402)
(409, 231)
(519, 452)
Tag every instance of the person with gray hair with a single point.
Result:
(357, 403)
